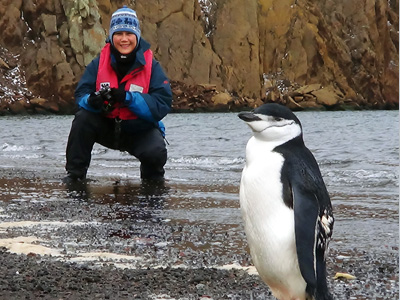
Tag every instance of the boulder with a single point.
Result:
(328, 96)
(41, 104)
(221, 99)
(19, 106)
(306, 89)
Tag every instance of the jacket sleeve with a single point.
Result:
(87, 85)
(157, 103)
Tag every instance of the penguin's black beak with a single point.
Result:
(248, 116)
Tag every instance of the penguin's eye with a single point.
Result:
(278, 119)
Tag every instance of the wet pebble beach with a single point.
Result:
(78, 244)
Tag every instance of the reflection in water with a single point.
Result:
(136, 202)
(151, 193)
(131, 204)
(78, 190)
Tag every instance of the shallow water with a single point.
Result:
(195, 219)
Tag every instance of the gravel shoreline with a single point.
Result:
(40, 277)
(109, 226)
(32, 277)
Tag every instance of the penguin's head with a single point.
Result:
(273, 122)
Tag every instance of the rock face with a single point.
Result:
(304, 54)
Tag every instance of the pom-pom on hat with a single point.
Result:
(124, 19)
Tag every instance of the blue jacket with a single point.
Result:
(151, 108)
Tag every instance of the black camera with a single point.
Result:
(105, 93)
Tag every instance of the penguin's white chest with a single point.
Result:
(268, 222)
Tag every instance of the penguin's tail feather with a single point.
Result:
(321, 291)
(323, 296)
(318, 294)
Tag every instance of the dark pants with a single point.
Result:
(88, 128)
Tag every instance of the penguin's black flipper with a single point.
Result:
(306, 192)
(305, 205)
(313, 219)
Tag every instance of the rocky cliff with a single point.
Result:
(219, 54)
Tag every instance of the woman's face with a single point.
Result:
(125, 42)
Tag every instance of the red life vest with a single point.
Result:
(137, 80)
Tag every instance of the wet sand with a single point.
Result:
(121, 240)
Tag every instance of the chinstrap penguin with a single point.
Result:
(285, 206)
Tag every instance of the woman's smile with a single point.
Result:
(125, 42)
